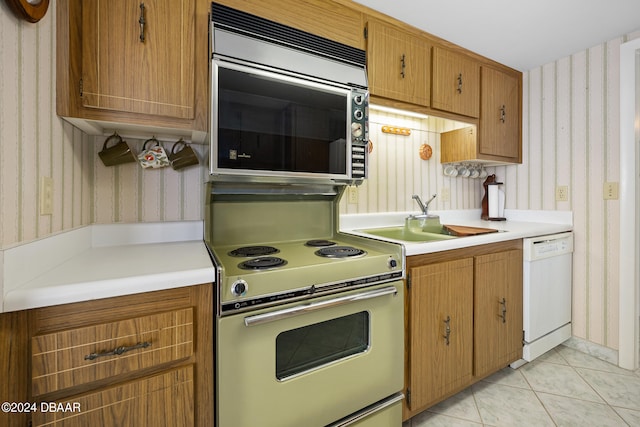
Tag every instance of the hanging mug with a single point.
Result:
(184, 157)
(154, 156)
(116, 154)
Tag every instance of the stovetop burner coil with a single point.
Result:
(340, 252)
(317, 243)
(251, 251)
(262, 263)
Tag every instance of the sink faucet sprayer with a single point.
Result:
(423, 206)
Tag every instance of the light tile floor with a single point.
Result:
(564, 387)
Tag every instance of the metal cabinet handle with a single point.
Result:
(447, 329)
(313, 306)
(402, 65)
(142, 21)
(117, 351)
(460, 83)
(503, 113)
(503, 303)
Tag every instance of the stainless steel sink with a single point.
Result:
(405, 234)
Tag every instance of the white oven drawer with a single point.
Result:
(310, 363)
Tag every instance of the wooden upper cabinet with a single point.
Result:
(109, 79)
(128, 66)
(500, 115)
(324, 18)
(455, 83)
(398, 63)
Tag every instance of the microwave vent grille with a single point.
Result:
(254, 26)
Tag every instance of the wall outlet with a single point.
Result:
(352, 194)
(46, 195)
(610, 191)
(562, 193)
(445, 195)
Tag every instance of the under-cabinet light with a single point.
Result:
(397, 111)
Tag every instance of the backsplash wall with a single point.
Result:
(34, 142)
(396, 171)
(128, 193)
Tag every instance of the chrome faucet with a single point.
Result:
(423, 207)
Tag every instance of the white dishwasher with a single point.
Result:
(547, 282)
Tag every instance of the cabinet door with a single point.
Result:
(497, 311)
(455, 83)
(440, 329)
(160, 400)
(500, 113)
(398, 64)
(458, 145)
(122, 72)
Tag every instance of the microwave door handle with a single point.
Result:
(298, 310)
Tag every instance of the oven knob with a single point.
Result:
(393, 263)
(358, 99)
(358, 114)
(239, 288)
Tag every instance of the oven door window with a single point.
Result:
(310, 347)
(268, 122)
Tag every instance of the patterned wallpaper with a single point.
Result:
(570, 138)
(36, 143)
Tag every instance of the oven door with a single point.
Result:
(311, 363)
(266, 123)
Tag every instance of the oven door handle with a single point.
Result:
(272, 316)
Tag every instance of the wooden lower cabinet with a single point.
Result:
(145, 359)
(166, 399)
(441, 331)
(497, 310)
(463, 320)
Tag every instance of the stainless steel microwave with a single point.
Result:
(280, 110)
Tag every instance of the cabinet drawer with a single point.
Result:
(78, 356)
(160, 400)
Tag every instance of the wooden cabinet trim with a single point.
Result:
(416, 260)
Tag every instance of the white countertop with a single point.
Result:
(102, 261)
(519, 224)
